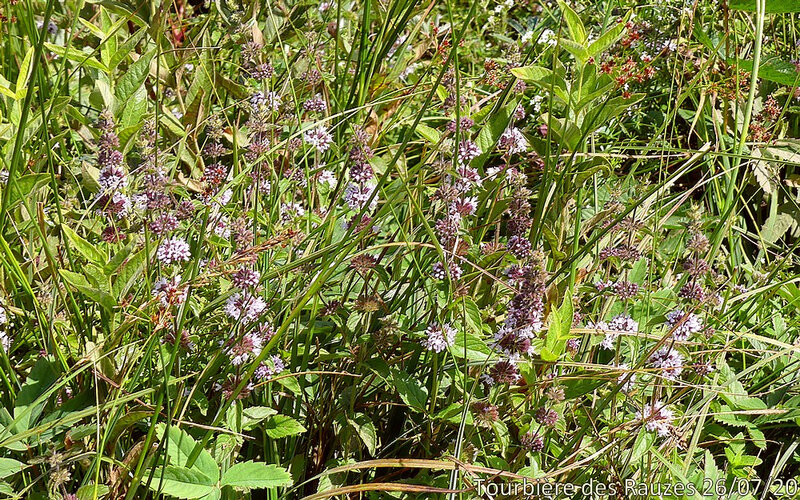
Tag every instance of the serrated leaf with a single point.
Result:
(83, 247)
(366, 431)
(256, 475)
(180, 446)
(431, 134)
(280, 426)
(130, 82)
(253, 415)
(411, 391)
(181, 482)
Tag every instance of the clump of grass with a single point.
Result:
(311, 250)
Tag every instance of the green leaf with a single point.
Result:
(411, 391)
(469, 346)
(26, 408)
(250, 475)
(578, 51)
(82, 285)
(253, 415)
(126, 48)
(181, 482)
(559, 331)
(9, 466)
(90, 491)
(135, 108)
(24, 72)
(606, 40)
(280, 426)
(491, 132)
(532, 73)
(180, 446)
(773, 69)
(130, 82)
(83, 247)
(773, 6)
(432, 135)
(366, 431)
(76, 55)
(574, 24)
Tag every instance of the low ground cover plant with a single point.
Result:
(399, 249)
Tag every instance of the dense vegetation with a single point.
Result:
(371, 249)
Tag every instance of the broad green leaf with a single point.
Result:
(280, 426)
(181, 482)
(580, 52)
(82, 285)
(773, 69)
(76, 55)
(366, 431)
(83, 247)
(606, 40)
(253, 415)
(469, 346)
(180, 446)
(92, 491)
(126, 48)
(132, 79)
(411, 391)
(431, 134)
(574, 24)
(26, 408)
(532, 73)
(491, 132)
(559, 331)
(135, 108)
(255, 475)
(773, 6)
(9, 466)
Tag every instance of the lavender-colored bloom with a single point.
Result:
(319, 138)
(5, 341)
(269, 101)
(547, 417)
(249, 346)
(246, 278)
(173, 250)
(163, 224)
(626, 379)
(356, 196)
(316, 104)
(244, 307)
(669, 361)
(112, 177)
(620, 323)
(656, 417)
(439, 337)
(440, 271)
(467, 151)
(169, 291)
(513, 141)
(273, 367)
(328, 178)
(683, 329)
